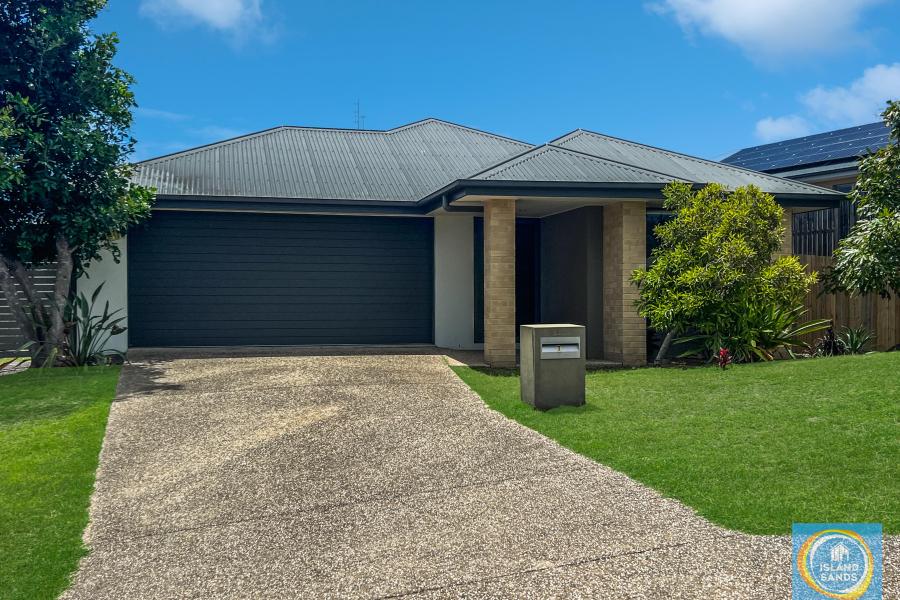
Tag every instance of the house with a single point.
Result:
(429, 233)
(829, 159)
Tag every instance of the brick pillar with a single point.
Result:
(624, 249)
(500, 282)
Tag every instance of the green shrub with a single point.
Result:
(714, 276)
(754, 332)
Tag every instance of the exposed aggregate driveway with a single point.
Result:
(378, 476)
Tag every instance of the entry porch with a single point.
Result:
(541, 261)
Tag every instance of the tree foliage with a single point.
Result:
(65, 114)
(868, 259)
(714, 262)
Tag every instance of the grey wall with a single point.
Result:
(571, 272)
(454, 281)
(114, 278)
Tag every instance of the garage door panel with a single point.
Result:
(305, 313)
(292, 279)
(372, 294)
(317, 254)
(278, 265)
(284, 336)
(347, 246)
(201, 279)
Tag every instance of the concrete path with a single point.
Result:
(377, 476)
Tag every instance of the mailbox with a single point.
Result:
(552, 365)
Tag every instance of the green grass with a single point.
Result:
(753, 448)
(51, 428)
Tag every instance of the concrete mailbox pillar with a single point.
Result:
(552, 365)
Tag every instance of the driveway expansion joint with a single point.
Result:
(554, 567)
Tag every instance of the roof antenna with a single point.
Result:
(360, 118)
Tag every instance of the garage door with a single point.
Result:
(219, 279)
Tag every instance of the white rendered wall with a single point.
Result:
(454, 277)
(115, 288)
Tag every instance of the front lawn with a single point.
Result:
(51, 428)
(752, 448)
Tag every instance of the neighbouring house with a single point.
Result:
(429, 233)
(829, 159)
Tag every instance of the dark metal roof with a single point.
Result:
(550, 163)
(838, 146)
(402, 164)
(414, 165)
(680, 166)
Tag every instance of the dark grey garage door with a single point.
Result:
(219, 279)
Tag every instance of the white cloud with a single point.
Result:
(860, 102)
(842, 106)
(155, 113)
(773, 129)
(769, 30)
(234, 16)
(215, 133)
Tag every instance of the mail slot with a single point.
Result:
(561, 347)
(552, 365)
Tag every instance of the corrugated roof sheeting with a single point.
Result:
(410, 162)
(548, 163)
(679, 166)
(829, 147)
(403, 164)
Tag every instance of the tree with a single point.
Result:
(868, 259)
(714, 263)
(65, 194)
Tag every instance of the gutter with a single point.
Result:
(445, 204)
(562, 189)
(445, 197)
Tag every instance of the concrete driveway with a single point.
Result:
(377, 476)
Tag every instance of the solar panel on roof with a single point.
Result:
(831, 146)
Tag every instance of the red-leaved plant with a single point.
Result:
(723, 358)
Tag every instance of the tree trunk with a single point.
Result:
(62, 286)
(664, 349)
(7, 284)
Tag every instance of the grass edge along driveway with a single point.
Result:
(753, 448)
(52, 423)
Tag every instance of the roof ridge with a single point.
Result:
(346, 130)
(618, 162)
(543, 148)
(522, 158)
(574, 134)
(793, 182)
(428, 120)
(505, 160)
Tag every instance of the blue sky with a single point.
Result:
(705, 77)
